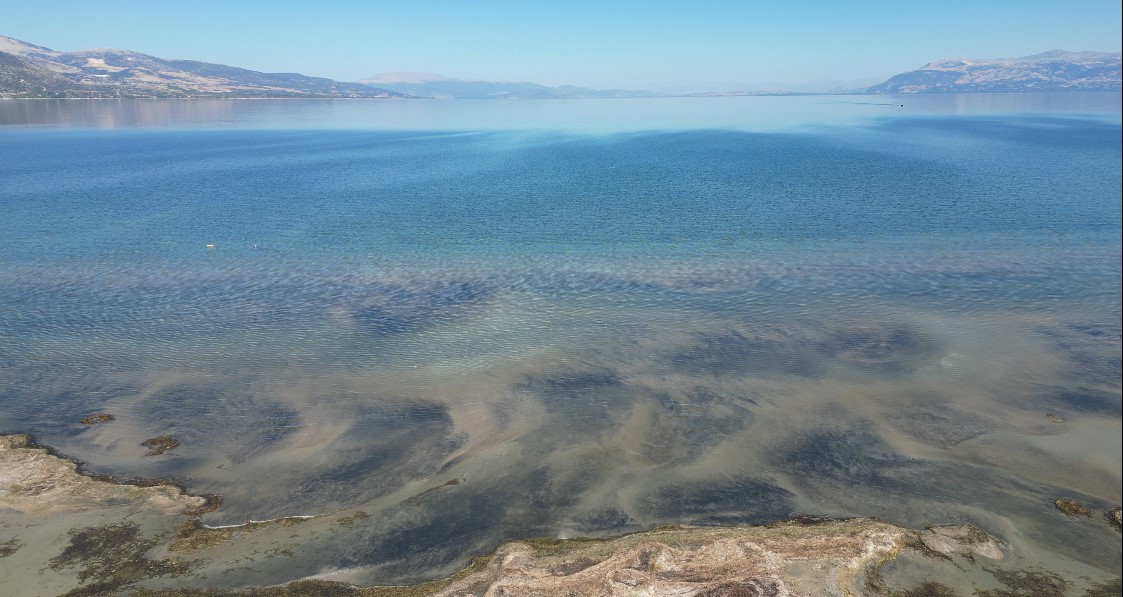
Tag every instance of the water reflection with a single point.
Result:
(586, 116)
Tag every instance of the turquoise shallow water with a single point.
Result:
(617, 318)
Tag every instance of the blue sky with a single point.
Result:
(649, 44)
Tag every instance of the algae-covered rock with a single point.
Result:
(1115, 518)
(158, 445)
(1031, 583)
(964, 540)
(1072, 508)
(97, 419)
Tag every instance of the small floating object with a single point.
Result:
(209, 246)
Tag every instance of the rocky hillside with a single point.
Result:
(1051, 71)
(27, 70)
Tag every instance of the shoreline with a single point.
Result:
(803, 555)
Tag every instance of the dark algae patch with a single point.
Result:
(1072, 508)
(748, 588)
(347, 521)
(1110, 588)
(1026, 583)
(112, 557)
(158, 445)
(213, 502)
(10, 547)
(928, 589)
(193, 535)
(97, 419)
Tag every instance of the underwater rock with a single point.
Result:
(97, 419)
(962, 540)
(1072, 508)
(158, 445)
(1115, 518)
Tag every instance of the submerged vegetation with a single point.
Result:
(113, 557)
(10, 547)
(194, 535)
(158, 445)
(1026, 583)
(1071, 508)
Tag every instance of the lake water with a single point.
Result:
(591, 316)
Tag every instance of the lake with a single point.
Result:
(479, 321)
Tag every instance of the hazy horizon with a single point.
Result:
(665, 47)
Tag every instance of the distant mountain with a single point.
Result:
(27, 70)
(1057, 70)
(439, 86)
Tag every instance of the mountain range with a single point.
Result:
(439, 86)
(31, 71)
(1053, 71)
(27, 70)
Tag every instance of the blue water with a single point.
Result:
(696, 296)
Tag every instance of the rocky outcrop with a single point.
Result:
(783, 559)
(34, 481)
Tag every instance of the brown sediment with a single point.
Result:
(158, 445)
(97, 419)
(1072, 508)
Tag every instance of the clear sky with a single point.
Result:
(652, 44)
